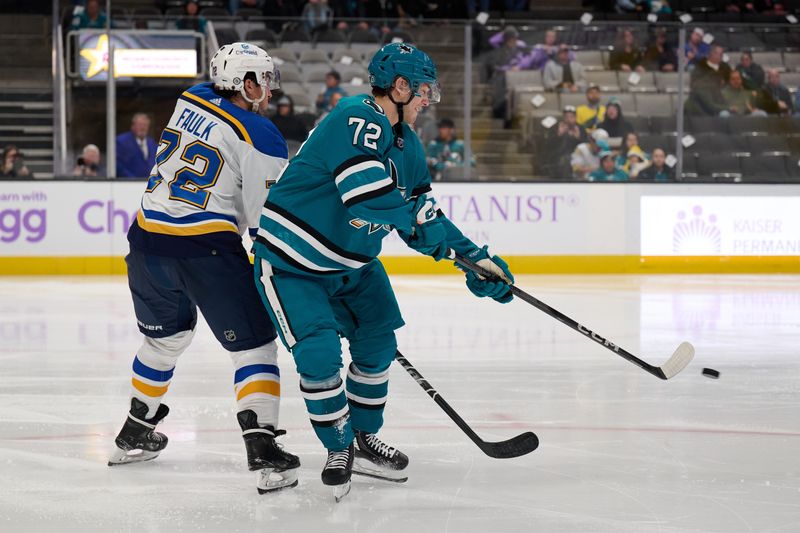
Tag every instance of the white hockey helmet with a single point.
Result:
(233, 61)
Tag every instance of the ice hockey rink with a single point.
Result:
(621, 451)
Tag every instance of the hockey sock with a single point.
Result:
(366, 394)
(153, 367)
(257, 382)
(328, 411)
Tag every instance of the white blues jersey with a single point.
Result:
(209, 182)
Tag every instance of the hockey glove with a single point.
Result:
(498, 290)
(428, 235)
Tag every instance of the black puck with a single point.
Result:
(711, 373)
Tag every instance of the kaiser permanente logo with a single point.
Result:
(696, 234)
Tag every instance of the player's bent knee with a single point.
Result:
(165, 350)
(375, 354)
(318, 356)
(264, 354)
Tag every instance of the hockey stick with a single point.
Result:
(677, 361)
(520, 445)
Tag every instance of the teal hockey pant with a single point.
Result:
(311, 313)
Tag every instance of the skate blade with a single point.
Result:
(270, 480)
(366, 468)
(340, 491)
(124, 457)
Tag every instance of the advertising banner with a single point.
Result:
(720, 225)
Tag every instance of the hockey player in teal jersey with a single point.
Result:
(360, 174)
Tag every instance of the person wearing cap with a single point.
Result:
(445, 151)
(607, 171)
(562, 140)
(586, 157)
(637, 162)
(562, 74)
(332, 85)
(592, 113)
(289, 124)
(696, 49)
(658, 170)
(495, 65)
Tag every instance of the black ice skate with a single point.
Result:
(276, 469)
(377, 459)
(137, 440)
(337, 471)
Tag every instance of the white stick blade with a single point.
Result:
(682, 357)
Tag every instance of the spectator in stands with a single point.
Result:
(586, 159)
(629, 143)
(88, 17)
(779, 97)
(89, 163)
(563, 74)
(713, 65)
(317, 15)
(503, 38)
(494, 69)
(592, 113)
(561, 142)
(631, 6)
(540, 54)
(752, 73)
(289, 124)
(607, 170)
(696, 49)
(627, 55)
(614, 123)
(279, 8)
(445, 151)
(235, 5)
(738, 99)
(332, 86)
(637, 162)
(658, 170)
(136, 150)
(660, 55)
(14, 164)
(190, 19)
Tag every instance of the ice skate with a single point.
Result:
(137, 440)
(275, 468)
(377, 459)
(337, 472)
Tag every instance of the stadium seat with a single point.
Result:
(524, 79)
(640, 124)
(263, 35)
(769, 59)
(313, 56)
(667, 82)
(226, 35)
(764, 168)
(698, 124)
(302, 102)
(355, 56)
(349, 72)
(315, 73)
(664, 125)
(397, 36)
(744, 41)
(330, 38)
(215, 13)
(283, 55)
(719, 166)
(791, 60)
(243, 28)
(689, 171)
(293, 88)
(573, 99)
(646, 83)
(749, 124)
(649, 142)
(590, 59)
(248, 12)
(296, 39)
(762, 144)
(359, 35)
(654, 105)
(521, 104)
(352, 89)
(605, 79)
(791, 80)
(290, 73)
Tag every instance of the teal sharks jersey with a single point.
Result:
(338, 197)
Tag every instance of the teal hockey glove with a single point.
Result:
(497, 290)
(428, 235)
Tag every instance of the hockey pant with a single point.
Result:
(166, 294)
(310, 314)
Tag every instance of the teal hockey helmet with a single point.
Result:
(407, 61)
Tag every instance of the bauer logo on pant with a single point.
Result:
(230, 335)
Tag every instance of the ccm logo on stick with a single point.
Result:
(597, 338)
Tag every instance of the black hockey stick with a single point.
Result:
(677, 361)
(514, 447)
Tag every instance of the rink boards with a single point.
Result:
(80, 227)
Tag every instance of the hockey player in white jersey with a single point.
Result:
(207, 188)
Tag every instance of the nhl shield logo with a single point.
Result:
(230, 335)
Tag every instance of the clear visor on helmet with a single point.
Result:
(431, 91)
(273, 79)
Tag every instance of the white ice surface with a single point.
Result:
(621, 451)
